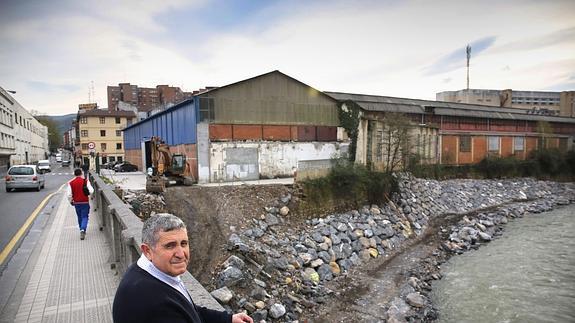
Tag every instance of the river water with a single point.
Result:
(527, 275)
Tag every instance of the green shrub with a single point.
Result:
(498, 167)
(349, 183)
(549, 161)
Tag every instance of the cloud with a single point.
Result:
(46, 87)
(456, 59)
(563, 36)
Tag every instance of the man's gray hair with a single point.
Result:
(161, 222)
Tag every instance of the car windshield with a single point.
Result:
(21, 171)
(44, 163)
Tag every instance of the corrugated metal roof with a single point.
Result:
(391, 107)
(207, 93)
(404, 105)
(159, 114)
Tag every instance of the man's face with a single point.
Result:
(171, 254)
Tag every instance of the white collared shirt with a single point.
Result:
(174, 282)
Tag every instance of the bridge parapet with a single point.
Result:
(123, 230)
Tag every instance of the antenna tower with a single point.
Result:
(468, 51)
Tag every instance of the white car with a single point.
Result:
(24, 176)
(58, 158)
(44, 166)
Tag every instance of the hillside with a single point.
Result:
(64, 122)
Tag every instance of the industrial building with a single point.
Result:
(466, 133)
(273, 125)
(264, 127)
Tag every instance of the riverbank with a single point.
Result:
(375, 263)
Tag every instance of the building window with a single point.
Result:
(518, 143)
(465, 144)
(119, 146)
(118, 133)
(102, 120)
(493, 144)
(118, 120)
(207, 109)
(84, 133)
(84, 146)
(120, 159)
(103, 146)
(84, 120)
(102, 133)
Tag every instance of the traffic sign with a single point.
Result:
(91, 145)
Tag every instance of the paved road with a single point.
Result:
(17, 206)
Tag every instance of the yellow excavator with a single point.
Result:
(167, 168)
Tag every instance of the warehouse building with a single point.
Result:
(268, 126)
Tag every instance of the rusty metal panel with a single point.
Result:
(281, 133)
(272, 99)
(247, 132)
(326, 133)
(306, 133)
(221, 132)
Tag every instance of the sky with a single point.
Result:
(57, 54)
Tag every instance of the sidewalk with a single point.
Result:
(65, 279)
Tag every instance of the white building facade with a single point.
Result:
(22, 138)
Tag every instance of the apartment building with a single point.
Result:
(537, 102)
(145, 99)
(100, 135)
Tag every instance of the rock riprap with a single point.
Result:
(292, 265)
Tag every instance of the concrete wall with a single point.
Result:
(269, 159)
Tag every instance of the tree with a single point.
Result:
(396, 143)
(54, 136)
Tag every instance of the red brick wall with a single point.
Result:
(247, 132)
(226, 132)
(448, 149)
(465, 158)
(325, 133)
(506, 146)
(530, 145)
(221, 132)
(306, 133)
(479, 148)
(281, 133)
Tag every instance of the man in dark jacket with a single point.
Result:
(151, 289)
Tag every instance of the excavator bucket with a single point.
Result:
(155, 184)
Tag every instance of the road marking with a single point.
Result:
(24, 227)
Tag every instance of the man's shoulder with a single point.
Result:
(137, 277)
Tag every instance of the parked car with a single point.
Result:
(24, 176)
(58, 158)
(44, 166)
(65, 163)
(125, 167)
(110, 165)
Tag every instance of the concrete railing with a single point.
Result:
(124, 232)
